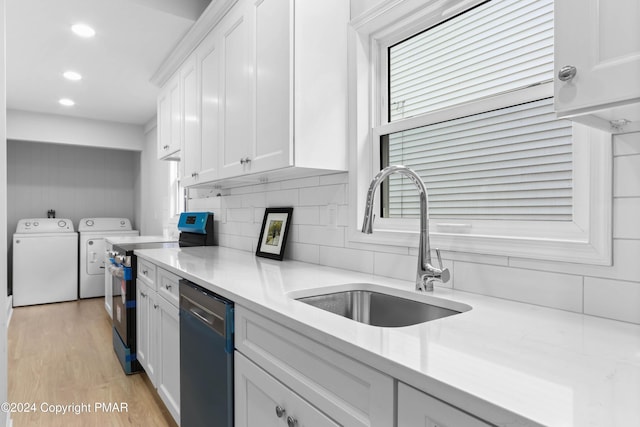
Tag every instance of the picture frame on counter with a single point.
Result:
(274, 232)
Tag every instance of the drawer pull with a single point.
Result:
(291, 422)
(280, 411)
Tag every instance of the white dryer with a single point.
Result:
(93, 232)
(45, 261)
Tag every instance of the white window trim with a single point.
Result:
(587, 239)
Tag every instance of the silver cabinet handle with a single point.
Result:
(143, 294)
(168, 287)
(245, 160)
(155, 305)
(567, 72)
(166, 147)
(280, 411)
(145, 272)
(291, 422)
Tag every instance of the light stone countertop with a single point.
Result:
(506, 362)
(125, 240)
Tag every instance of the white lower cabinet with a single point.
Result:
(419, 409)
(158, 334)
(146, 329)
(168, 384)
(262, 401)
(342, 390)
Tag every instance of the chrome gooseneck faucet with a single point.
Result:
(426, 273)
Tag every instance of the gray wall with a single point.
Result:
(75, 181)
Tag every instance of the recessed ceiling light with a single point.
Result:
(67, 102)
(72, 75)
(83, 30)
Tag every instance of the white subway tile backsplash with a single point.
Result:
(626, 254)
(320, 235)
(236, 242)
(612, 299)
(240, 215)
(283, 198)
(302, 252)
(398, 250)
(231, 202)
(348, 259)
(327, 194)
(306, 215)
(554, 290)
(626, 218)
(254, 200)
(336, 178)
(313, 181)
(626, 176)
(401, 267)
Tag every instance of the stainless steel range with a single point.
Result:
(123, 270)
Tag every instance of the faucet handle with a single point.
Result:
(445, 275)
(439, 258)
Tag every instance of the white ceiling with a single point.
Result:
(132, 39)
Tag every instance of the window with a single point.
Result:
(465, 98)
(176, 190)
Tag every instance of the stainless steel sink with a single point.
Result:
(379, 309)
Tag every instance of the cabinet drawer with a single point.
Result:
(262, 401)
(168, 286)
(347, 391)
(147, 272)
(419, 409)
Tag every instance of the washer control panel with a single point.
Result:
(44, 225)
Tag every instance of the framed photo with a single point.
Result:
(274, 232)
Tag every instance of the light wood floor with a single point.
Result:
(62, 354)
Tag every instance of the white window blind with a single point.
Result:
(497, 47)
(512, 163)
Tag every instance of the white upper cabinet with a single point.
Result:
(597, 62)
(191, 143)
(271, 92)
(200, 77)
(169, 120)
(236, 112)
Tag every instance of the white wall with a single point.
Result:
(152, 212)
(30, 126)
(316, 237)
(3, 220)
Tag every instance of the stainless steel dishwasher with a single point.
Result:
(206, 358)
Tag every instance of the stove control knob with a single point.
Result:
(89, 222)
(62, 223)
(36, 223)
(27, 224)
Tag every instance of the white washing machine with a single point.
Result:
(45, 261)
(93, 232)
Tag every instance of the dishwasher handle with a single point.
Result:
(208, 318)
(211, 310)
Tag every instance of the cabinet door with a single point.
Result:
(262, 401)
(191, 148)
(418, 409)
(169, 356)
(274, 84)
(600, 39)
(152, 332)
(142, 324)
(209, 77)
(169, 119)
(236, 102)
